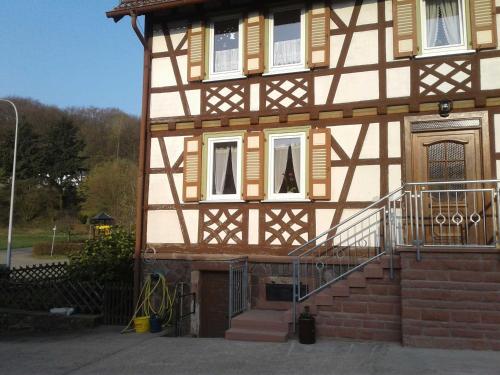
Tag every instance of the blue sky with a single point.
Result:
(67, 53)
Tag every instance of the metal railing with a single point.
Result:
(444, 214)
(238, 287)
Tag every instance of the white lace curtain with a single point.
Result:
(280, 161)
(221, 162)
(226, 60)
(443, 22)
(286, 52)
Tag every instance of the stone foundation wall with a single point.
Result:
(451, 300)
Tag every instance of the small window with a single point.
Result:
(286, 166)
(225, 50)
(224, 168)
(287, 40)
(443, 25)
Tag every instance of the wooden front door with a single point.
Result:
(450, 215)
(214, 304)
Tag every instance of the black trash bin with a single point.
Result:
(307, 328)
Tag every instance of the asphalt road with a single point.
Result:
(105, 351)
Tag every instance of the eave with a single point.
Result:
(118, 13)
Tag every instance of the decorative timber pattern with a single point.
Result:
(286, 226)
(222, 226)
(226, 99)
(445, 78)
(286, 93)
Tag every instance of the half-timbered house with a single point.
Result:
(341, 155)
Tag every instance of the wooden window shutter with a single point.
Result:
(192, 169)
(253, 166)
(254, 44)
(320, 164)
(404, 13)
(196, 52)
(318, 54)
(483, 24)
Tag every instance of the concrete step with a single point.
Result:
(261, 320)
(242, 334)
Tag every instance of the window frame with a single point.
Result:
(443, 50)
(303, 164)
(300, 66)
(211, 141)
(212, 75)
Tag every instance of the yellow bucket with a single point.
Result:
(141, 324)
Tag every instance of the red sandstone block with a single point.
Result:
(491, 277)
(393, 326)
(374, 271)
(494, 335)
(465, 316)
(382, 308)
(438, 332)
(411, 330)
(356, 280)
(340, 289)
(411, 313)
(439, 315)
(387, 336)
(373, 324)
(324, 300)
(352, 323)
(352, 307)
(465, 276)
(466, 333)
(491, 317)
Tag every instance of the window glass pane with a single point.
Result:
(224, 168)
(226, 41)
(286, 165)
(286, 37)
(446, 162)
(443, 23)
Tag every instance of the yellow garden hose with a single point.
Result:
(145, 305)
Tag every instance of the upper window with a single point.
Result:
(225, 49)
(287, 166)
(224, 168)
(287, 40)
(443, 25)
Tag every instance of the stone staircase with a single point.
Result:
(365, 305)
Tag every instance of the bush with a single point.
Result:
(60, 248)
(108, 258)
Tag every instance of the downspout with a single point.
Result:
(139, 221)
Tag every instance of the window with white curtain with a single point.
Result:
(287, 156)
(225, 48)
(224, 168)
(443, 26)
(287, 39)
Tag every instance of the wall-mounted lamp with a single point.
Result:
(445, 107)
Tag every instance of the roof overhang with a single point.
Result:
(142, 7)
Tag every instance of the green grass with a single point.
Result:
(22, 237)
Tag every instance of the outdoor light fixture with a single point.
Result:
(445, 107)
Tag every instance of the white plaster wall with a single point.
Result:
(394, 139)
(398, 82)
(163, 227)
(167, 104)
(355, 87)
(389, 54)
(490, 73)
(156, 159)
(179, 183)
(365, 184)
(253, 227)
(159, 44)
(162, 73)
(254, 97)
(338, 178)
(194, 101)
(346, 136)
(191, 220)
(498, 26)
(175, 147)
(368, 12)
(363, 49)
(323, 220)
(322, 86)
(388, 10)
(343, 9)
(177, 32)
(159, 190)
(182, 63)
(394, 177)
(496, 120)
(336, 43)
(371, 145)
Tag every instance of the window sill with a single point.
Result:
(291, 200)
(287, 71)
(225, 78)
(447, 53)
(223, 201)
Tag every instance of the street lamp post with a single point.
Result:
(11, 211)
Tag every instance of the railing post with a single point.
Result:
(296, 288)
(230, 293)
(417, 234)
(389, 240)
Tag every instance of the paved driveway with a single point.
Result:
(104, 351)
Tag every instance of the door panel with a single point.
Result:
(214, 304)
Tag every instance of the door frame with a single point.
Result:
(484, 143)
